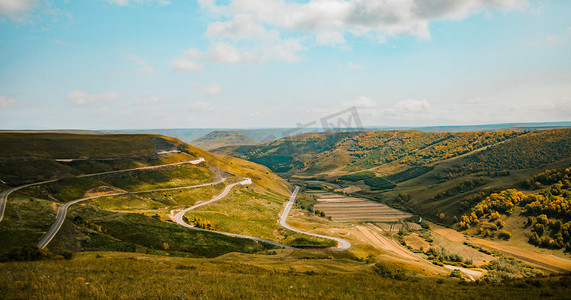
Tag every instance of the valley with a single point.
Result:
(421, 213)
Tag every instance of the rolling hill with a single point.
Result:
(438, 175)
(314, 153)
(136, 220)
(217, 139)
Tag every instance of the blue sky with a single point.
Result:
(121, 64)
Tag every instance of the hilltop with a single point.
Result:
(217, 139)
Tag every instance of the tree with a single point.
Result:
(539, 229)
(165, 246)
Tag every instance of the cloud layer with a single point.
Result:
(81, 98)
(260, 30)
(129, 2)
(16, 9)
(6, 102)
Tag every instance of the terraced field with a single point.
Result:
(343, 208)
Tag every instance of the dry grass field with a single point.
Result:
(343, 208)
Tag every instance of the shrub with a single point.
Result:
(504, 234)
(358, 176)
(67, 255)
(456, 273)
(391, 270)
(378, 183)
(26, 253)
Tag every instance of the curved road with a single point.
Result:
(342, 244)
(62, 211)
(4, 195)
(178, 218)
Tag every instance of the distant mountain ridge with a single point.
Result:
(221, 138)
(264, 135)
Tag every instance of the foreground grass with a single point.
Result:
(133, 276)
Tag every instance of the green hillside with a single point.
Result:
(437, 175)
(314, 153)
(220, 138)
(135, 222)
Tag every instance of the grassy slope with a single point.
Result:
(217, 139)
(117, 227)
(117, 275)
(522, 156)
(30, 157)
(60, 145)
(314, 153)
(259, 174)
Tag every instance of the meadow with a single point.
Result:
(97, 275)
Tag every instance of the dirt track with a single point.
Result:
(539, 260)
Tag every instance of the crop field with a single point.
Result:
(390, 227)
(343, 208)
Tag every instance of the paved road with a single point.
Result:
(62, 211)
(342, 244)
(4, 195)
(178, 218)
(60, 218)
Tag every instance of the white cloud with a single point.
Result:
(412, 105)
(201, 106)
(144, 67)
(330, 38)
(212, 89)
(16, 10)
(555, 40)
(81, 98)
(6, 102)
(187, 65)
(361, 102)
(129, 2)
(254, 31)
(149, 100)
(226, 53)
(339, 17)
(351, 66)
(550, 40)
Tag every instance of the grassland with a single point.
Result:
(124, 275)
(62, 145)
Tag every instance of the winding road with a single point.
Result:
(62, 211)
(178, 218)
(342, 244)
(4, 195)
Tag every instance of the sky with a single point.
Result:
(143, 64)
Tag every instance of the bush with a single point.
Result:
(456, 273)
(26, 253)
(504, 234)
(378, 183)
(358, 176)
(391, 270)
(67, 255)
